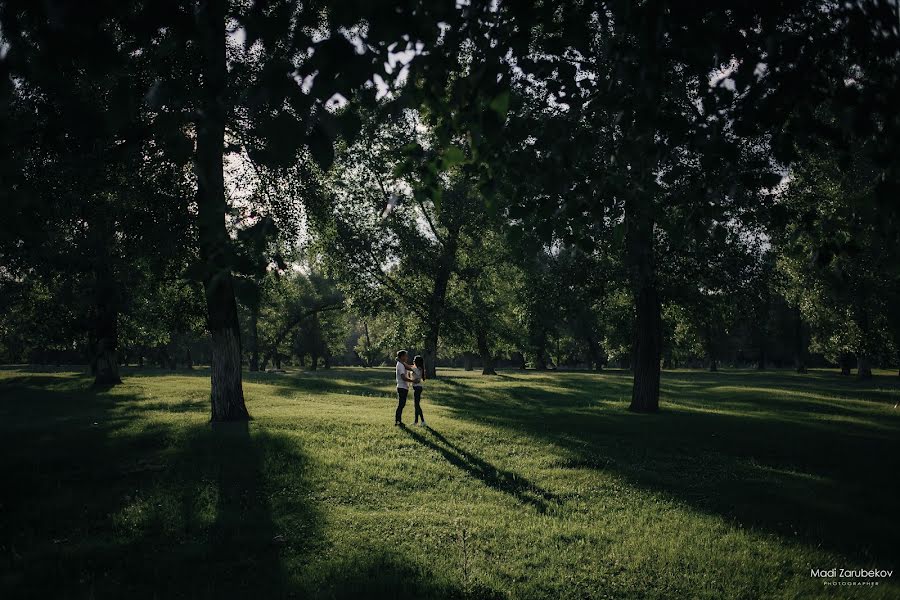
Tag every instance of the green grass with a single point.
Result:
(528, 485)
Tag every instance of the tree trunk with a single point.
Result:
(438, 300)
(863, 367)
(278, 360)
(105, 335)
(523, 364)
(313, 361)
(105, 364)
(540, 353)
(434, 323)
(430, 355)
(188, 361)
(467, 361)
(367, 362)
(595, 353)
(761, 331)
(106, 360)
(710, 351)
(642, 157)
(253, 342)
(844, 363)
(227, 394)
(647, 350)
(487, 359)
(863, 354)
(172, 357)
(800, 340)
(431, 343)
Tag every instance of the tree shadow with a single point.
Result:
(113, 497)
(111, 502)
(243, 542)
(822, 480)
(452, 381)
(507, 482)
(139, 372)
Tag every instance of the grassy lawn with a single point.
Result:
(527, 485)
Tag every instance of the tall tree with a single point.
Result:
(387, 238)
(84, 198)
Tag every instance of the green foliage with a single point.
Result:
(292, 319)
(839, 262)
(388, 332)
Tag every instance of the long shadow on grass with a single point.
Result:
(507, 482)
(114, 498)
(111, 503)
(821, 482)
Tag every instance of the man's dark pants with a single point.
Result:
(401, 402)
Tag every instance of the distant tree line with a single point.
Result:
(545, 185)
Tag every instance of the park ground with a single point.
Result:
(526, 485)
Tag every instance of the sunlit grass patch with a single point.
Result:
(527, 485)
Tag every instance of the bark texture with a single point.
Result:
(430, 354)
(438, 300)
(367, 361)
(105, 355)
(227, 391)
(540, 357)
(520, 358)
(487, 359)
(647, 347)
(844, 361)
(227, 394)
(710, 349)
(642, 155)
(647, 350)
(863, 367)
(595, 353)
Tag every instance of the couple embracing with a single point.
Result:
(409, 374)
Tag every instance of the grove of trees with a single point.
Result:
(640, 185)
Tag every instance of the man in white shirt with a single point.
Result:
(403, 380)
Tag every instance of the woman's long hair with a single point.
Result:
(419, 362)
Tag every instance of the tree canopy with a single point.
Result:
(554, 185)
